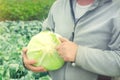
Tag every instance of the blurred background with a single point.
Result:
(19, 21)
(26, 10)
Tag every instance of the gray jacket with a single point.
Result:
(97, 33)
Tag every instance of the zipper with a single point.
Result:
(76, 22)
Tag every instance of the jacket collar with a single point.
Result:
(104, 1)
(96, 4)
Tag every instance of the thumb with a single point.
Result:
(63, 39)
(24, 50)
(25, 59)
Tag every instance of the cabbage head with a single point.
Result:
(41, 48)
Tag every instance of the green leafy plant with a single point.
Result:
(14, 37)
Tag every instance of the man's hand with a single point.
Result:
(28, 63)
(67, 49)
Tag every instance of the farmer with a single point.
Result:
(91, 39)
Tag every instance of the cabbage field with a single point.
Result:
(14, 35)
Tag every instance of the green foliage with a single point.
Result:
(24, 9)
(13, 37)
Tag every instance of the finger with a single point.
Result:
(35, 69)
(60, 46)
(60, 52)
(63, 39)
(25, 59)
(57, 47)
(24, 50)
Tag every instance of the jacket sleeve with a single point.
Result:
(49, 23)
(105, 62)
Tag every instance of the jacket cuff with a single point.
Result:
(80, 56)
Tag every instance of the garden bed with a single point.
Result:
(14, 35)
